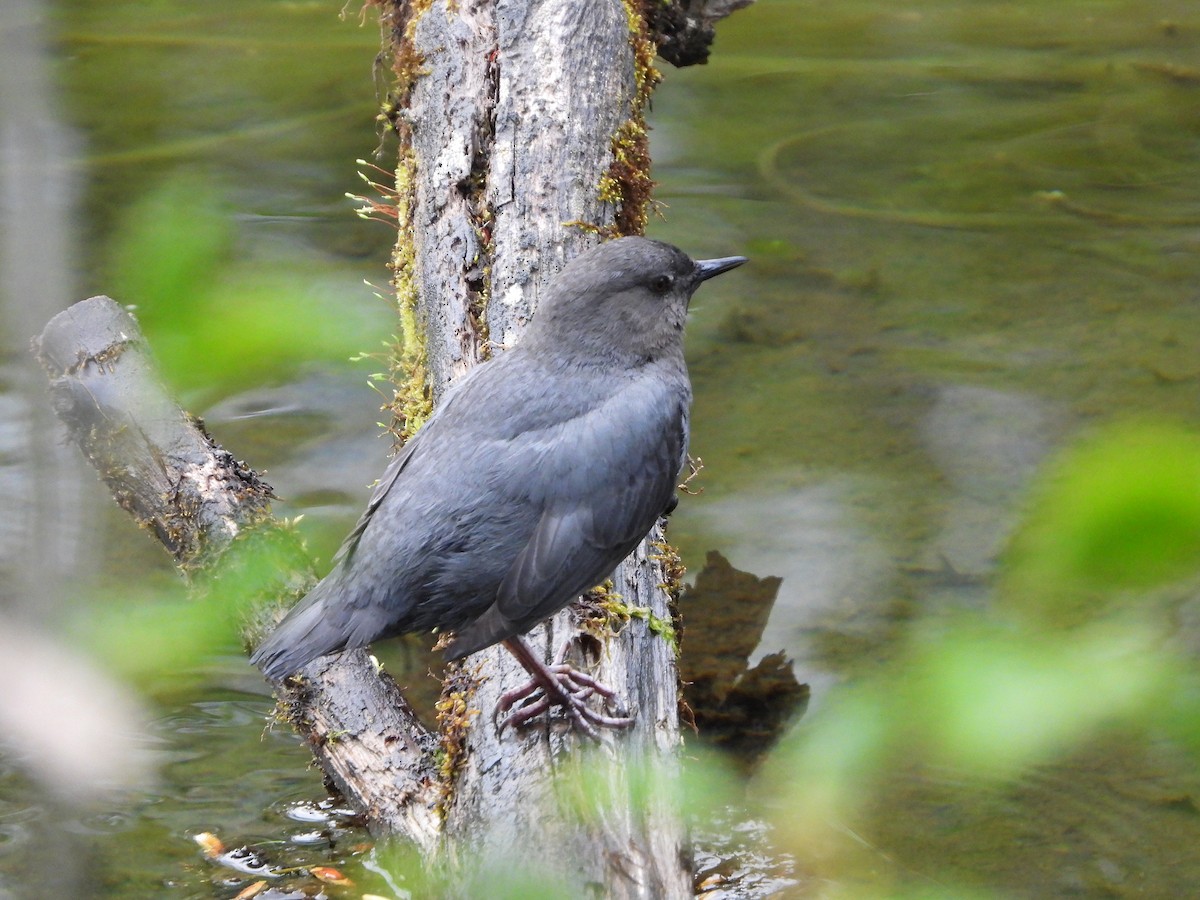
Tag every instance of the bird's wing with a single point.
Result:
(345, 553)
(446, 423)
(607, 506)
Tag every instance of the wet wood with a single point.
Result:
(739, 707)
(157, 460)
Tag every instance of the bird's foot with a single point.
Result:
(558, 684)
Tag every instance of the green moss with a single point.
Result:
(398, 21)
(672, 568)
(412, 398)
(454, 715)
(412, 401)
(627, 183)
(616, 614)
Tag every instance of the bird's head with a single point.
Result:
(626, 298)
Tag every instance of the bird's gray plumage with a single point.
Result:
(540, 471)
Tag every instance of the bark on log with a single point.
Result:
(160, 465)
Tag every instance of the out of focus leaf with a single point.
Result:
(169, 249)
(1121, 511)
(214, 320)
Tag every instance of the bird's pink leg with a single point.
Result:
(556, 685)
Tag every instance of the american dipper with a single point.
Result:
(541, 470)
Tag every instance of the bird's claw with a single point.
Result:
(566, 687)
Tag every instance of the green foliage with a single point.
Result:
(214, 319)
(994, 700)
(592, 788)
(152, 633)
(170, 247)
(1121, 511)
(155, 630)
(398, 866)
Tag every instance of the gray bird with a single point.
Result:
(541, 470)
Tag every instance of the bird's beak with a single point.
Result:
(709, 268)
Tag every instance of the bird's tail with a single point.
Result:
(305, 633)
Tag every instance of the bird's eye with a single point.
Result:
(662, 284)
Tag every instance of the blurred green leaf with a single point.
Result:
(169, 249)
(259, 326)
(822, 771)
(992, 701)
(216, 321)
(1120, 511)
(153, 631)
(982, 701)
(396, 865)
(147, 636)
